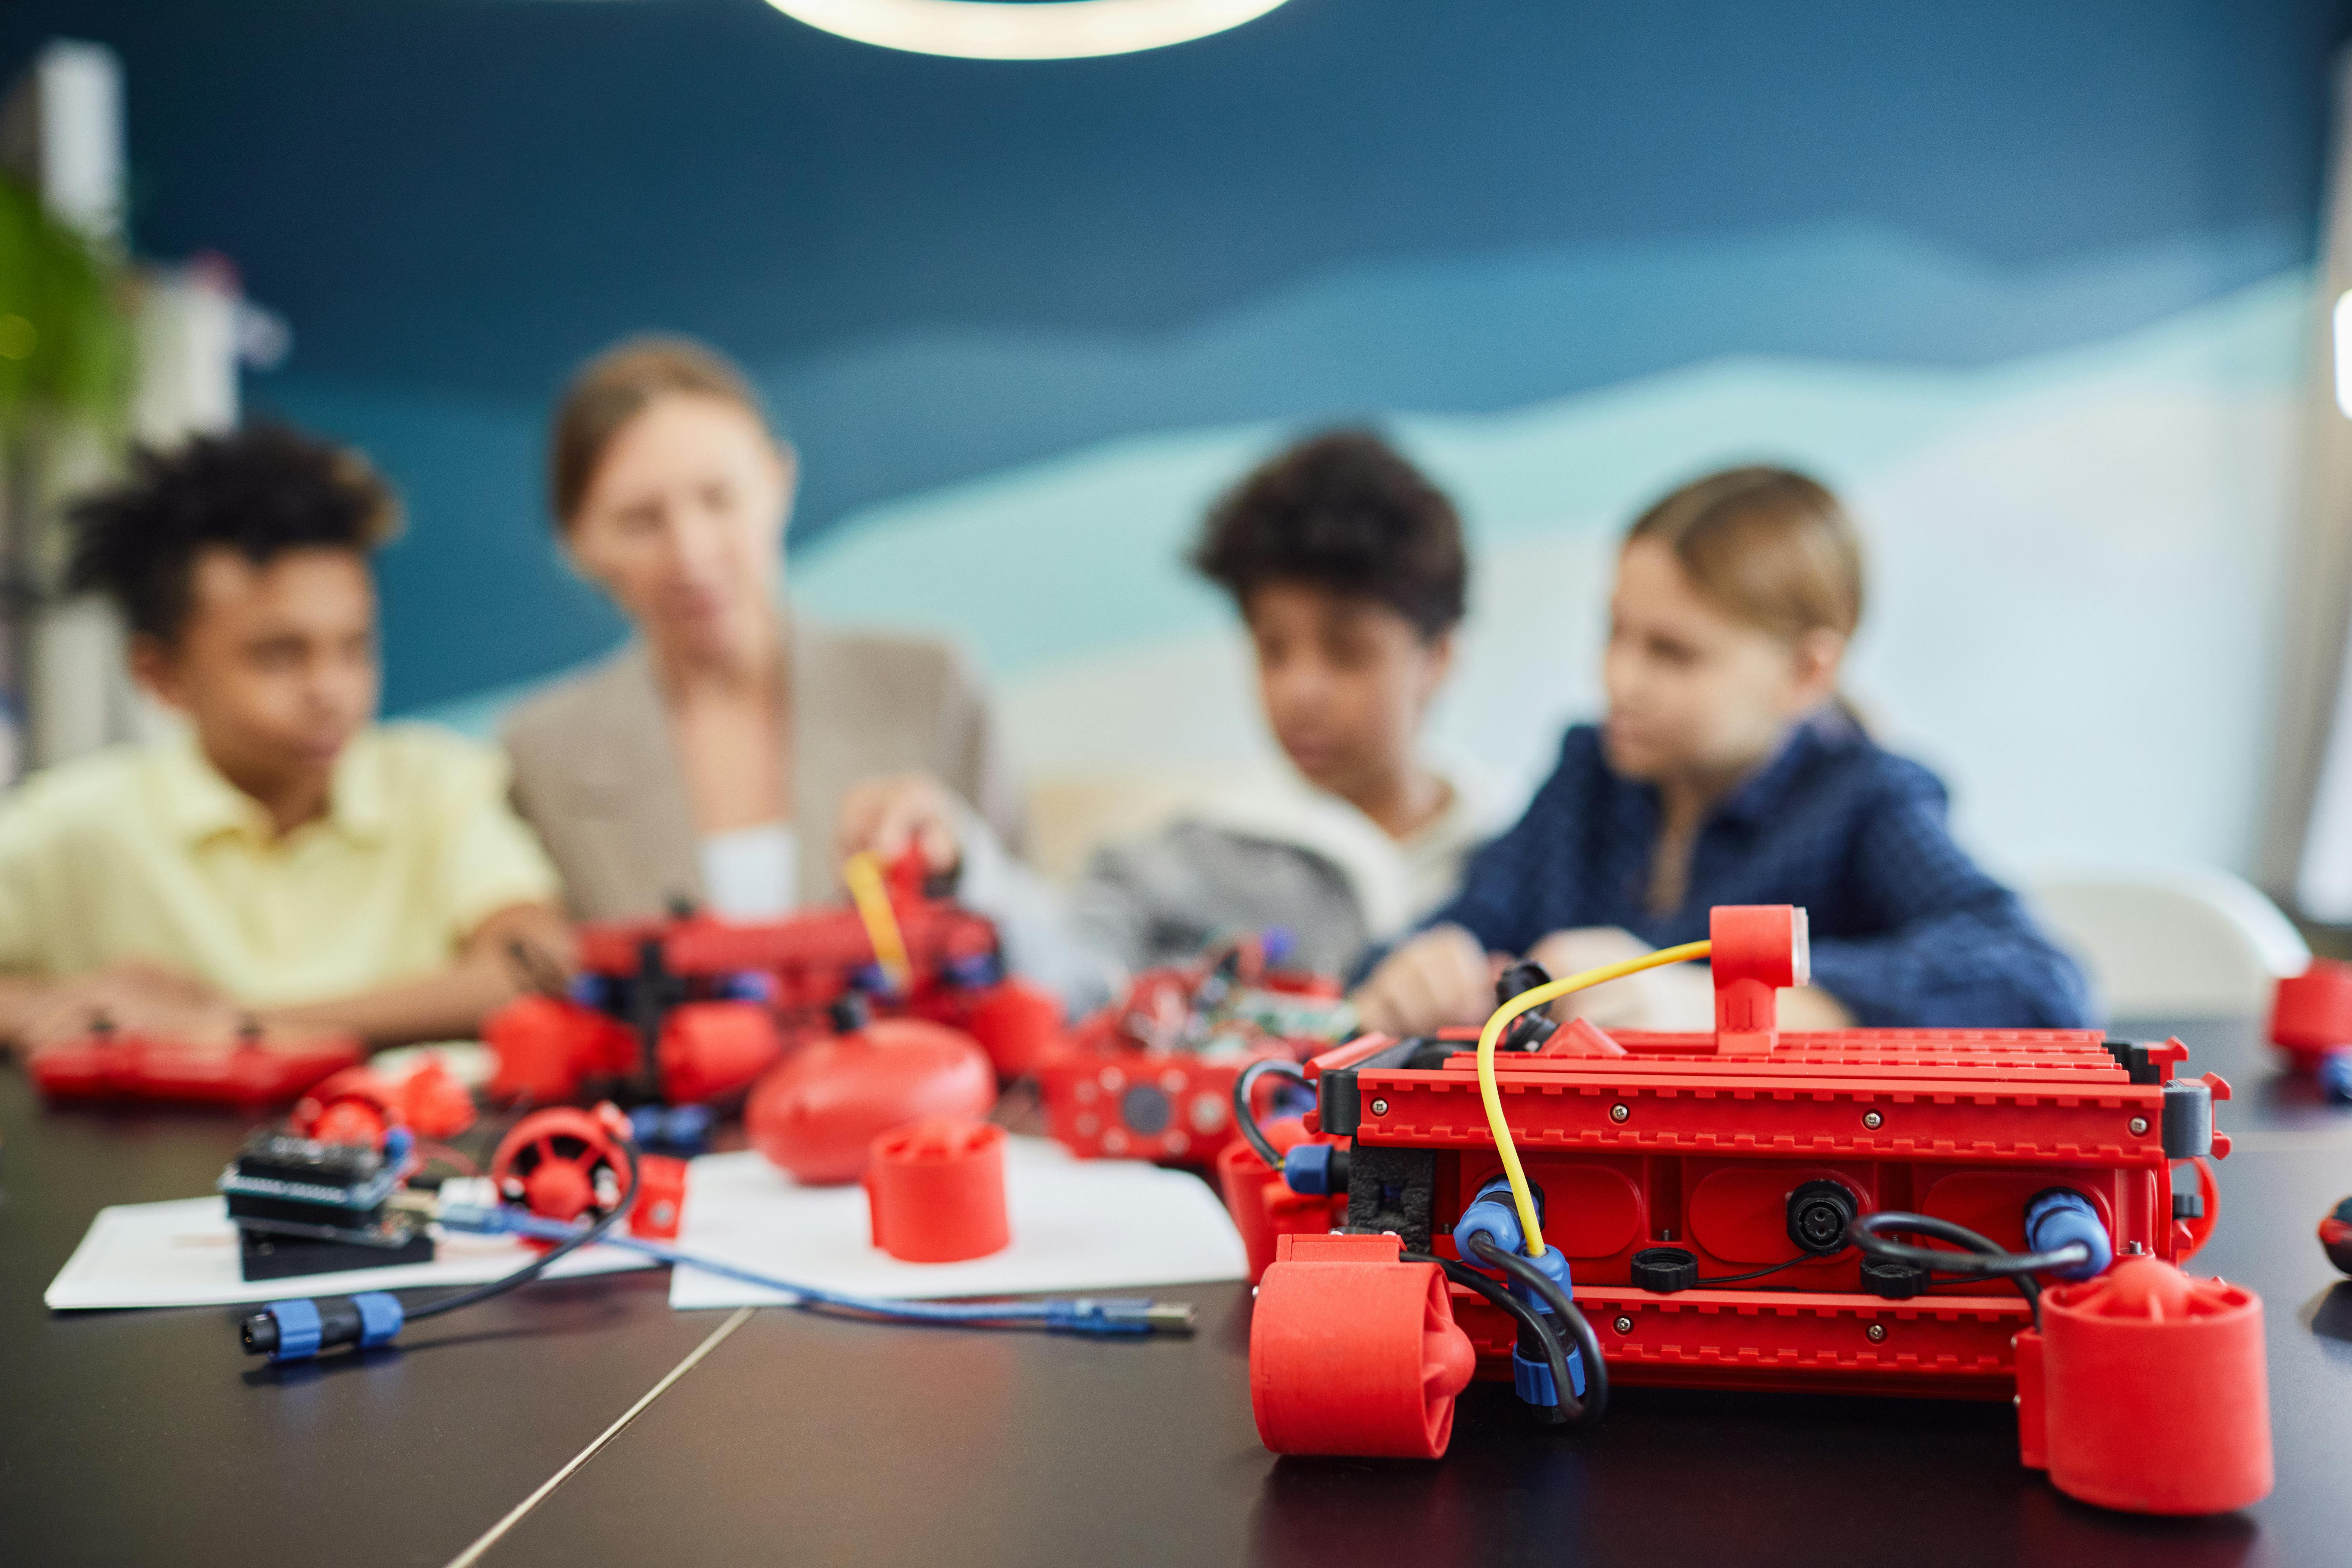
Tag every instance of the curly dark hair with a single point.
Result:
(260, 491)
(1343, 512)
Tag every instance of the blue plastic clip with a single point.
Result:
(2061, 1215)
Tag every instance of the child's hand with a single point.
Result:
(886, 815)
(135, 997)
(1677, 996)
(1441, 977)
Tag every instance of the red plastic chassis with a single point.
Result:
(1701, 1141)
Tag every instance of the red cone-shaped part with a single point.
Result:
(711, 1048)
(2312, 1014)
(817, 1115)
(2155, 1395)
(937, 1191)
(1354, 1351)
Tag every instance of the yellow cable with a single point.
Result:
(1551, 990)
(863, 872)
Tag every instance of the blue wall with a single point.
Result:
(943, 269)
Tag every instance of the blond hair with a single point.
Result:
(1772, 546)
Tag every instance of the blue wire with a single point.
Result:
(1067, 1314)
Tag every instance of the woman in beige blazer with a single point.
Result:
(709, 757)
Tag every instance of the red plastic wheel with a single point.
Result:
(1354, 1351)
(2155, 1392)
(562, 1164)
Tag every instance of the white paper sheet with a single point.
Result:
(183, 1253)
(1077, 1224)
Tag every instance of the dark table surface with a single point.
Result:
(146, 1436)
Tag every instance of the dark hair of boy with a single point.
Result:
(1345, 512)
(260, 491)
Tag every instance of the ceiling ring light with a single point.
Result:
(1033, 30)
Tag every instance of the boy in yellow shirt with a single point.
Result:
(287, 862)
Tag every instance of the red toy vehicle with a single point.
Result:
(107, 1065)
(1729, 1204)
(694, 1008)
(1152, 1075)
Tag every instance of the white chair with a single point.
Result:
(2170, 943)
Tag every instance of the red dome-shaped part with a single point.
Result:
(816, 1116)
(2155, 1392)
(2311, 1014)
(937, 1191)
(1355, 1351)
(563, 1163)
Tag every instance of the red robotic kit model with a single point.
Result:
(110, 1063)
(1152, 1075)
(1731, 1204)
(693, 1008)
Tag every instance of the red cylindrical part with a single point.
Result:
(1016, 1024)
(2155, 1390)
(711, 1048)
(542, 1043)
(1353, 1351)
(937, 1191)
(2312, 1012)
(1758, 949)
(1264, 1209)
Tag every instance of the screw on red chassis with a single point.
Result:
(1768, 1210)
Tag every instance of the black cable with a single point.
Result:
(1769, 1269)
(538, 1265)
(1245, 1119)
(1596, 1375)
(1985, 1257)
(1566, 1404)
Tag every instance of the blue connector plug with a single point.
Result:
(301, 1329)
(2334, 1076)
(1117, 1315)
(2060, 1216)
(1493, 1216)
(1309, 1168)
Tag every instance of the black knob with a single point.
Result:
(1664, 1269)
